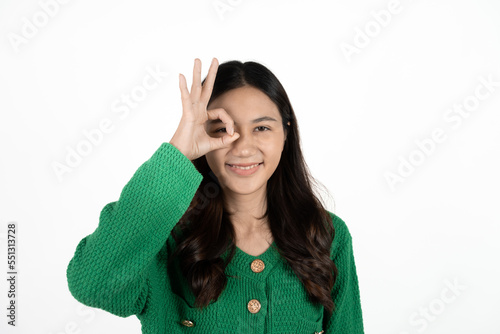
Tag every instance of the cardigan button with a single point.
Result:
(188, 323)
(253, 306)
(257, 265)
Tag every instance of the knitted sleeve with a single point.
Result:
(347, 316)
(109, 269)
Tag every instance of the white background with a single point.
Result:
(360, 116)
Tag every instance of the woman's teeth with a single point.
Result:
(249, 167)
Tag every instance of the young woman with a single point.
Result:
(220, 230)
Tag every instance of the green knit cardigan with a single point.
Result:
(122, 267)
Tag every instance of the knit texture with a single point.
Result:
(122, 267)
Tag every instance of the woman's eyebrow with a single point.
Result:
(257, 120)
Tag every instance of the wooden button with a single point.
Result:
(254, 306)
(188, 323)
(257, 265)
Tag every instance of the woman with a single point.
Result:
(220, 231)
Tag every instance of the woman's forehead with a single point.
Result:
(247, 103)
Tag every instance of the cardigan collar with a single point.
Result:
(241, 262)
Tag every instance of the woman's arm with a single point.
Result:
(347, 316)
(110, 267)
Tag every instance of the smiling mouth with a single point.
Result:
(245, 167)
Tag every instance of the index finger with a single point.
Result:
(209, 81)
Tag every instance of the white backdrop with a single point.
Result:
(398, 108)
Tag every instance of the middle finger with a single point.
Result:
(209, 81)
(196, 85)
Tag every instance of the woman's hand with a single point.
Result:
(191, 137)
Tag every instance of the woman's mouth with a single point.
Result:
(240, 170)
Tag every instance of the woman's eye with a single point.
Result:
(259, 127)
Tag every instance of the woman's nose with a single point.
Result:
(245, 141)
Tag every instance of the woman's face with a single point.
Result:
(260, 141)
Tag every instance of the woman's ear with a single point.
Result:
(286, 132)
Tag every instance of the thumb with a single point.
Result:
(224, 141)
